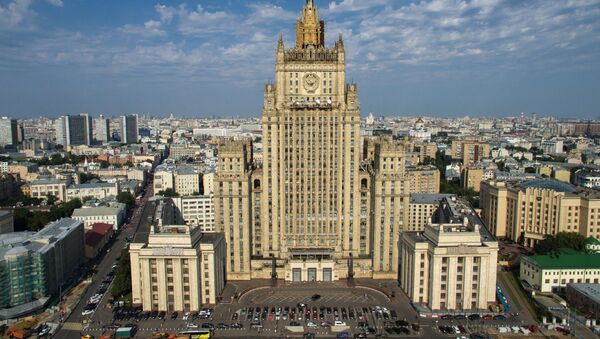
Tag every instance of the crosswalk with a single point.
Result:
(71, 326)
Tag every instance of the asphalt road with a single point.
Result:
(73, 322)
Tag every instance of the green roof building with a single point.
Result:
(551, 273)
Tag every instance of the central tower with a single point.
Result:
(311, 154)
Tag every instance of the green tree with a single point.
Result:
(169, 193)
(122, 282)
(21, 219)
(126, 198)
(104, 164)
(552, 244)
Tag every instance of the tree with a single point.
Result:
(125, 197)
(122, 282)
(128, 164)
(104, 164)
(551, 245)
(169, 193)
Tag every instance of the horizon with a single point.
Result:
(435, 58)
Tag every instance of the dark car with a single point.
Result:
(208, 325)
(474, 317)
(499, 317)
(154, 314)
(222, 326)
(459, 317)
(315, 297)
(447, 317)
(174, 315)
(162, 315)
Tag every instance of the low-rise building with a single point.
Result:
(6, 222)
(113, 214)
(98, 190)
(34, 266)
(587, 178)
(451, 264)
(585, 298)
(552, 273)
(197, 210)
(96, 237)
(44, 188)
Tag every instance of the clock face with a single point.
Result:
(311, 82)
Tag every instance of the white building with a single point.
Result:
(552, 146)
(113, 214)
(197, 211)
(49, 187)
(93, 190)
(546, 273)
(586, 178)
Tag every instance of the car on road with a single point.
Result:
(339, 323)
(192, 325)
(499, 317)
(310, 324)
(474, 317)
(174, 315)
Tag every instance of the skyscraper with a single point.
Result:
(102, 129)
(129, 129)
(74, 130)
(314, 207)
(8, 132)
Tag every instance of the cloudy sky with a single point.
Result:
(212, 57)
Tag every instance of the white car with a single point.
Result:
(87, 312)
(186, 315)
(339, 323)
(311, 324)
(192, 325)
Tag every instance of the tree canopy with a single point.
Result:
(551, 245)
(126, 198)
(169, 193)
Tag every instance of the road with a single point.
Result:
(72, 326)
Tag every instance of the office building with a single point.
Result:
(102, 130)
(315, 204)
(421, 208)
(9, 132)
(452, 263)
(552, 146)
(129, 129)
(176, 267)
(74, 130)
(527, 211)
(197, 210)
(34, 266)
(552, 273)
(183, 180)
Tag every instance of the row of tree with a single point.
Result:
(26, 220)
(552, 244)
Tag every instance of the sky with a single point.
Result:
(212, 57)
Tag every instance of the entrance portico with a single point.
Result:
(310, 265)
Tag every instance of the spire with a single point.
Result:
(309, 30)
(280, 42)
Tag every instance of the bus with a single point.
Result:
(198, 334)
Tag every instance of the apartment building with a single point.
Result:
(423, 179)
(98, 190)
(470, 150)
(44, 188)
(113, 214)
(421, 209)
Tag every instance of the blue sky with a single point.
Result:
(205, 58)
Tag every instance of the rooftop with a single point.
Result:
(100, 210)
(93, 185)
(567, 260)
(551, 184)
(591, 291)
(420, 198)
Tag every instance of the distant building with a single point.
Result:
(74, 130)
(184, 180)
(552, 146)
(6, 222)
(421, 209)
(102, 129)
(197, 211)
(471, 177)
(587, 178)
(451, 264)
(44, 188)
(34, 266)
(129, 129)
(423, 179)
(98, 190)
(470, 150)
(8, 132)
(113, 214)
(552, 273)
(529, 210)
(184, 151)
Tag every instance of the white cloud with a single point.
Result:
(353, 5)
(151, 28)
(57, 3)
(14, 13)
(267, 13)
(166, 13)
(201, 22)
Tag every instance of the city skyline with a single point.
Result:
(438, 58)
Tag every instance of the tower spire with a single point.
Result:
(310, 31)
